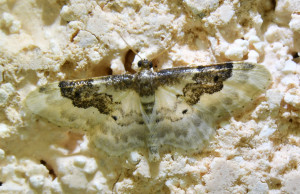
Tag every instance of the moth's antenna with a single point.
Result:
(159, 54)
(129, 45)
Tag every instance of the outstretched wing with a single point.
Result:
(107, 108)
(191, 100)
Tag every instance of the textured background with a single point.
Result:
(43, 41)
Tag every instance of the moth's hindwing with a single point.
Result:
(109, 113)
(192, 100)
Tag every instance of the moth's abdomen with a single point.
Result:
(148, 104)
(147, 95)
(146, 90)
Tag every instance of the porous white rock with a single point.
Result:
(1, 73)
(80, 161)
(2, 154)
(10, 22)
(292, 97)
(3, 97)
(4, 129)
(6, 90)
(256, 153)
(289, 67)
(291, 182)
(295, 22)
(237, 50)
(267, 131)
(135, 157)
(94, 57)
(85, 39)
(37, 181)
(8, 87)
(223, 175)
(90, 166)
(274, 97)
(253, 56)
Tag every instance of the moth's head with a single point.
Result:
(145, 64)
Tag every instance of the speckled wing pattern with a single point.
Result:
(111, 117)
(176, 107)
(192, 100)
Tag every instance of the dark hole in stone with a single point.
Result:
(291, 120)
(273, 3)
(1, 183)
(154, 64)
(115, 117)
(46, 73)
(43, 162)
(129, 57)
(50, 169)
(101, 70)
(184, 111)
(74, 35)
(295, 55)
(68, 67)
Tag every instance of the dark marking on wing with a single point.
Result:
(206, 80)
(42, 89)
(84, 95)
(120, 82)
(125, 118)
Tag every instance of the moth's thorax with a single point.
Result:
(145, 80)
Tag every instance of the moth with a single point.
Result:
(172, 108)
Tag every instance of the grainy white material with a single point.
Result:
(40, 44)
